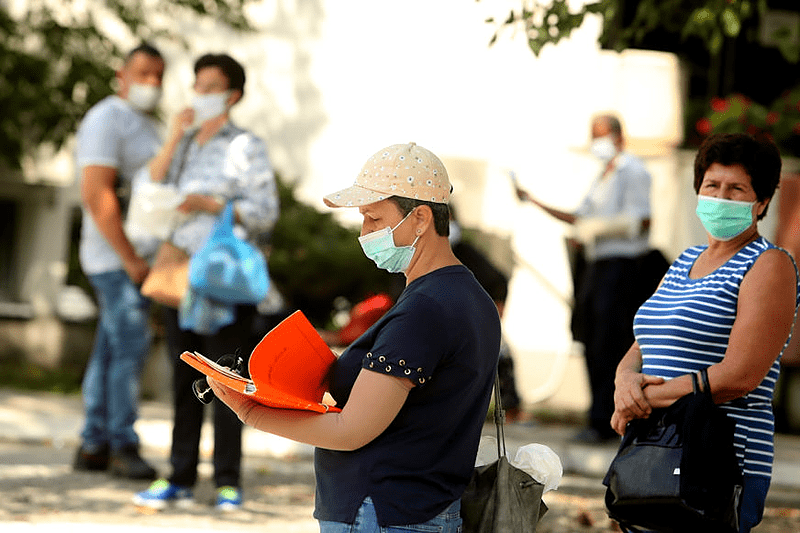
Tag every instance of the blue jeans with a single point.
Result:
(112, 378)
(448, 521)
(754, 495)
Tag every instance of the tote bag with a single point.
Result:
(229, 269)
(168, 279)
(501, 498)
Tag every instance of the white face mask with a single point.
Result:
(144, 97)
(208, 106)
(603, 148)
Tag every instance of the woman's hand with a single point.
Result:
(200, 203)
(619, 422)
(630, 401)
(240, 403)
(181, 122)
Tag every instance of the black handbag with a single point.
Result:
(677, 470)
(501, 498)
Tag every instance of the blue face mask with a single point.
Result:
(379, 246)
(724, 219)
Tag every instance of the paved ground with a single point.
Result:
(39, 491)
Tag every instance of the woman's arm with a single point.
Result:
(160, 164)
(764, 318)
(374, 402)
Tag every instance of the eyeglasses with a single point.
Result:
(202, 390)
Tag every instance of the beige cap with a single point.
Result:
(405, 170)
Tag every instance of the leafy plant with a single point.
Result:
(711, 21)
(58, 59)
(779, 121)
(314, 259)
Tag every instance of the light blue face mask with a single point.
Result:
(724, 219)
(379, 246)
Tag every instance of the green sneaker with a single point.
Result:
(161, 493)
(229, 498)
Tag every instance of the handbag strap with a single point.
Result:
(499, 417)
(706, 384)
(173, 179)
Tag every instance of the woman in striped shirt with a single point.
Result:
(727, 306)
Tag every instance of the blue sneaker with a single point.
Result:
(229, 498)
(161, 493)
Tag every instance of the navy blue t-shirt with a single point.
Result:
(444, 335)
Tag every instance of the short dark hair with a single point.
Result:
(231, 68)
(759, 157)
(145, 48)
(441, 212)
(613, 122)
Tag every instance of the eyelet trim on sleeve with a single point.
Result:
(400, 370)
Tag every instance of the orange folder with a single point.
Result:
(288, 368)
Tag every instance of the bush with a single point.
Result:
(314, 259)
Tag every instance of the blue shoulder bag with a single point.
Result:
(228, 269)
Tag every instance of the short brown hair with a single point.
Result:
(231, 68)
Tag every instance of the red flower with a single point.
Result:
(772, 118)
(741, 100)
(752, 129)
(719, 105)
(703, 126)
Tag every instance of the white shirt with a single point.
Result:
(626, 191)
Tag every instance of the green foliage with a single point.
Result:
(56, 64)
(710, 20)
(314, 259)
(549, 23)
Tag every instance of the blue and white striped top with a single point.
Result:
(685, 326)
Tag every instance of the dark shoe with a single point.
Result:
(128, 463)
(590, 435)
(93, 460)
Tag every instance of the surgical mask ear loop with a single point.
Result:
(404, 219)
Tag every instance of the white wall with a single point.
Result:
(422, 71)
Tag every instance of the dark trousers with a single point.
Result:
(189, 411)
(607, 306)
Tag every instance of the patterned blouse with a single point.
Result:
(232, 166)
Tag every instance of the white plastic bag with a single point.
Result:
(542, 463)
(153, 211)
(487, 451)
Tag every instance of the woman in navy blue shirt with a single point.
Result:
(414, 388)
